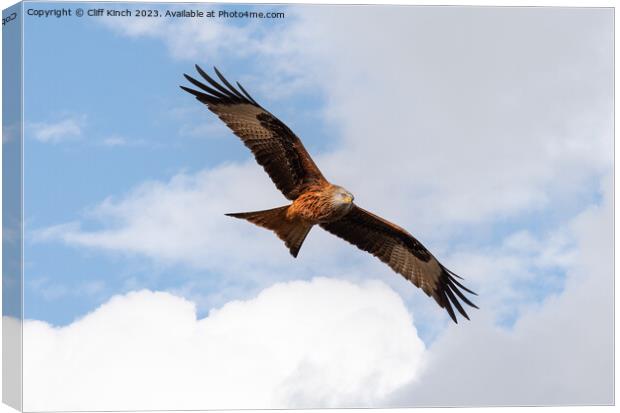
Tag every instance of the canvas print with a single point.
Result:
(245, 206)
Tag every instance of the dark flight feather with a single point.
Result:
(276, 148)
(404, 254)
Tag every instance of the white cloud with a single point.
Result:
(115, 141)
(209, 130)
(471, 143)
(489, 122)
(514, 274)
(181, 220)
(68, 128)
(319, 343)
(50, 290)
(558, 353)
(475, 131)
(192, 38)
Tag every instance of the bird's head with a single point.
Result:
(342, 197)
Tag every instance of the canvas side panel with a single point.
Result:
(12, 216)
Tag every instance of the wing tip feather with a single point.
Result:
(448, 287)
(225, 94)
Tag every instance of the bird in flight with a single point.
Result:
(316, 201)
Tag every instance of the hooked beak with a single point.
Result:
(348, 199)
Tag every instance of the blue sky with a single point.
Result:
(486, 132)
(124, 90)
(133, 124)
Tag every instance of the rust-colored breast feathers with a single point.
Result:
(314, 204)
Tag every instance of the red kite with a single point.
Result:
(316, 201)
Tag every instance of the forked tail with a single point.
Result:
(292, 231)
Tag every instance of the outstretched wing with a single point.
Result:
(276, 148)
(404, 254)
